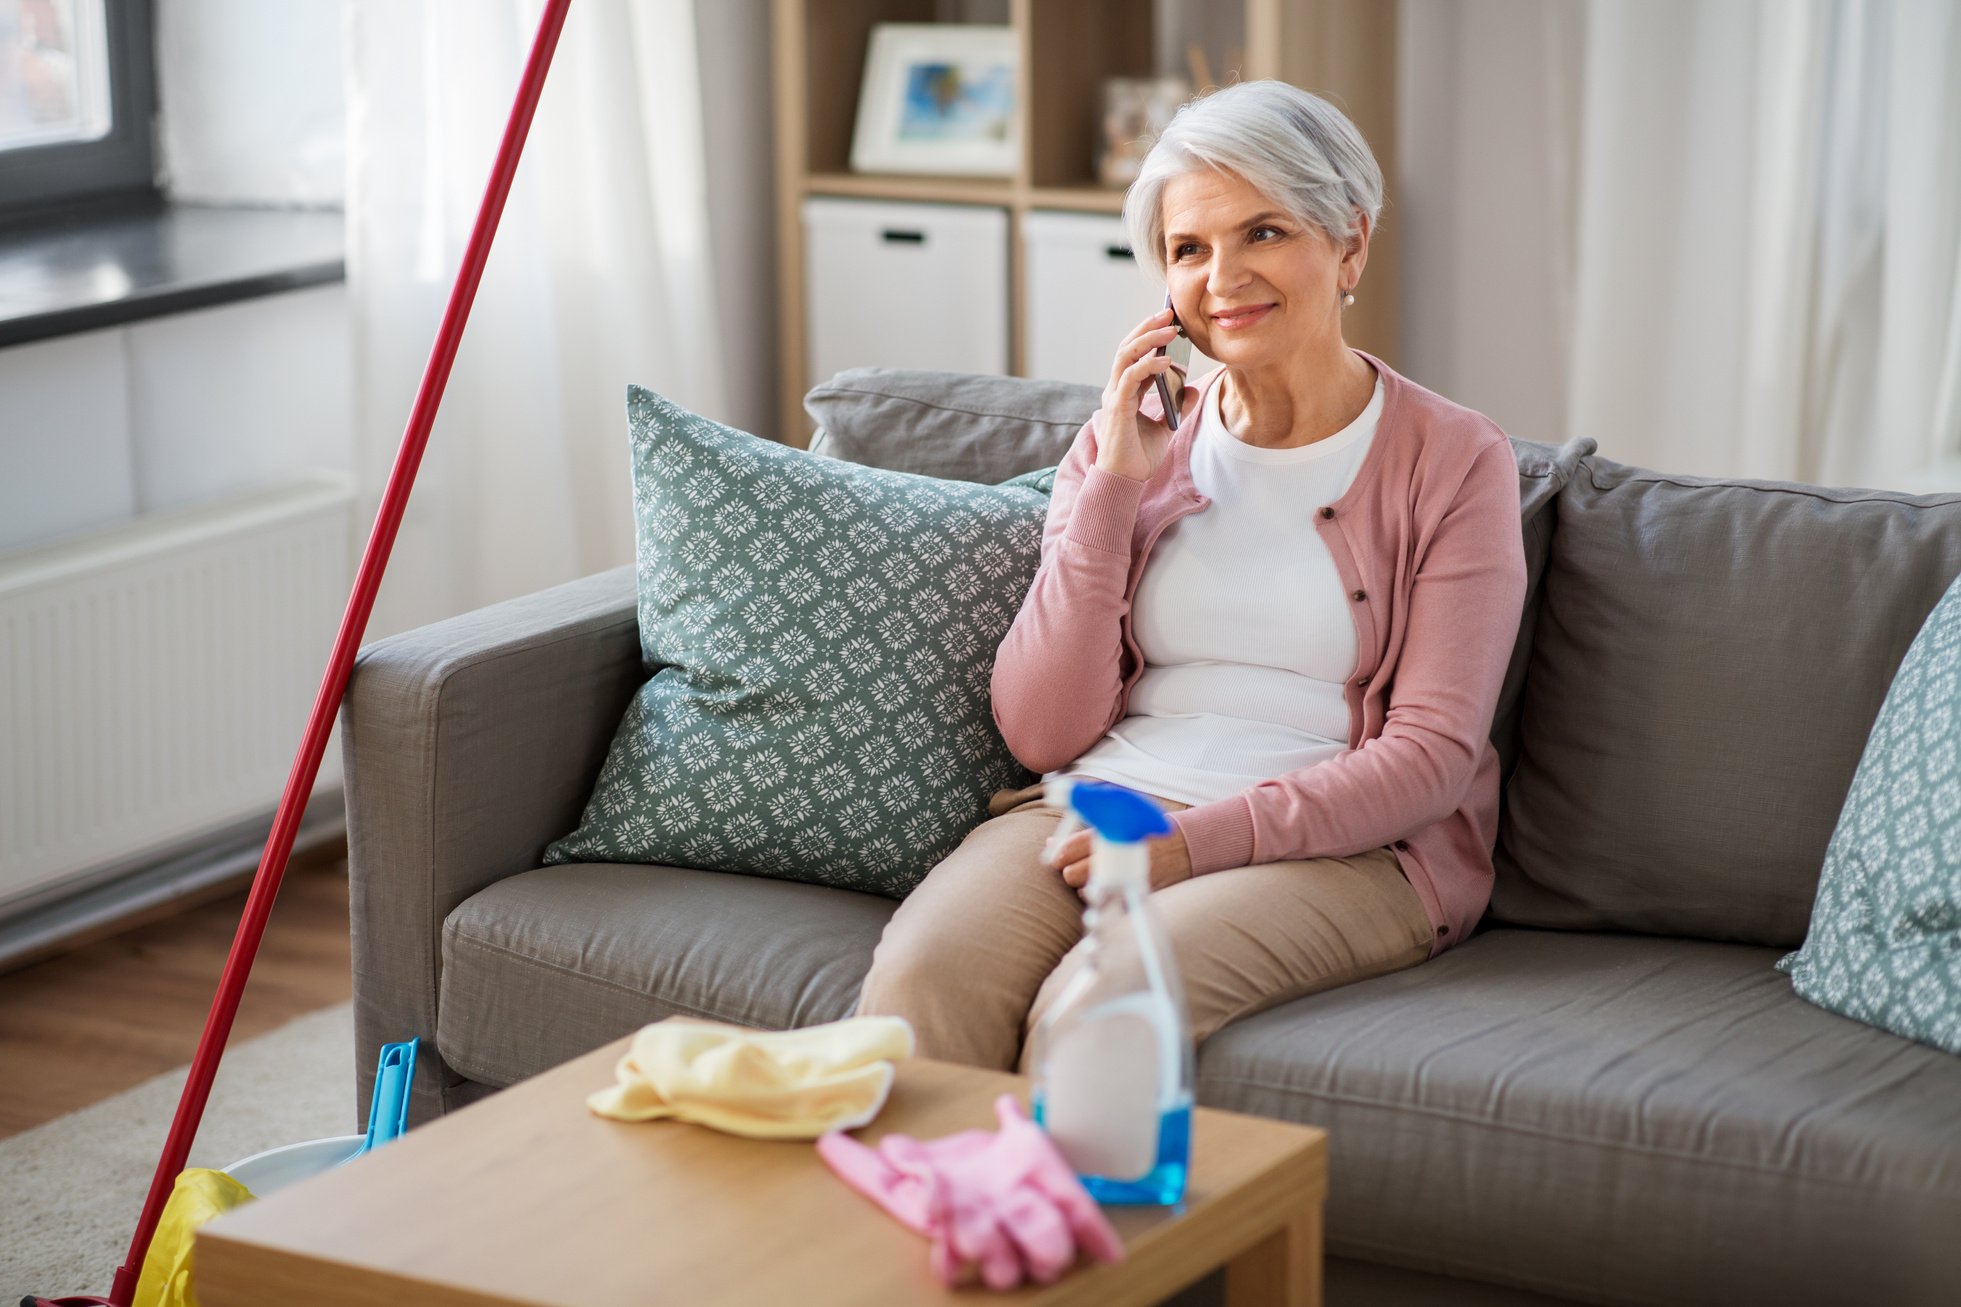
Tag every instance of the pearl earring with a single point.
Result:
(1347, 298)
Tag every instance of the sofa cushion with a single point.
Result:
(1706, 662)
(1885, 938)
(1618, 1119)
(550, 964)
(947, 424)
(823, 635)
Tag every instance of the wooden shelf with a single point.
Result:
(965, 190)
(1083, 199)
(941, 190)
(1345, 49)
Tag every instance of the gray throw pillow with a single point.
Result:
(948, 424)
(822, 638)
(1885, 940)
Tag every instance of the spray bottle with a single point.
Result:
(1113, 1057)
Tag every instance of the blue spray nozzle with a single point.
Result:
(1119, 815)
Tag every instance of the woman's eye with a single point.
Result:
(1275, 230)
(1179, 253)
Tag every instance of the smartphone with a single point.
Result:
(1171, 386)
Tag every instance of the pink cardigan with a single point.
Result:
(1427, 543)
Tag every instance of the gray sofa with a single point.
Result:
(1606, 1095)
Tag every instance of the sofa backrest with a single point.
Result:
(1704, 666)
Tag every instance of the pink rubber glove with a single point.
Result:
(1003, 1203)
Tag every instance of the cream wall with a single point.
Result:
(171, 413)
(251, 101)
(1475, 201)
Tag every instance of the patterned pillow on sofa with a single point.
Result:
(821, 637)
(1885, 939)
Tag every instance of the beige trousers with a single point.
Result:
(974, 956)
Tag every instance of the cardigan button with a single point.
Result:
(1443, 929)
(1359, 596)
(1327, 512)
(1403, 846)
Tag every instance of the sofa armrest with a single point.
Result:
(467, 746)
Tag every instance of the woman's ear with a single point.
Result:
(1355, 256)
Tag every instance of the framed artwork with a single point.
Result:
(939, 98)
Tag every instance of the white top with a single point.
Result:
(1243, 622)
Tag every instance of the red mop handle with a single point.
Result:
(299, 783)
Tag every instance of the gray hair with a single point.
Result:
(1294, 147)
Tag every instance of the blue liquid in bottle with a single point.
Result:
(1161, 1186)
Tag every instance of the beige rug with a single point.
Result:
(70, 1190)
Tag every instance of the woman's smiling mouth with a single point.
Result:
(1235, 319)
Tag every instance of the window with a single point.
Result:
(54, 68)
(76, 101)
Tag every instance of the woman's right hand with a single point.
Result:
(1128, 443)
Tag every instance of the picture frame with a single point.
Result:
(940, 98)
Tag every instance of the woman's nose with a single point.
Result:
(1223, 277)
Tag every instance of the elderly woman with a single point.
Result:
(1287, 620)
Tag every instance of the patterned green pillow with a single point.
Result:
(1885, 939)
(824, 636)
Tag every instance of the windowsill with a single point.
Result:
(108, 269)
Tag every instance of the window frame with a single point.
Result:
(121, 164)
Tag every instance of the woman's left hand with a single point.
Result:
(1171, 861)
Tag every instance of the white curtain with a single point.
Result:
(1759, 217)
(601, 275)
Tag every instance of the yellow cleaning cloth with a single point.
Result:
(793, 1084)
(197, 1196)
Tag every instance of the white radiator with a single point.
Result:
(155, 679)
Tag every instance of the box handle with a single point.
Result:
(894, 236)
(1120, 251)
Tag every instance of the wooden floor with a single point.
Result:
(84, 1026)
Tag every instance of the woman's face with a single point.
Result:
(1252, 285)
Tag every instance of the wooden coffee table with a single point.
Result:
(528, 1198)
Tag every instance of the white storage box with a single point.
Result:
(903, 285)
(1084, 293)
